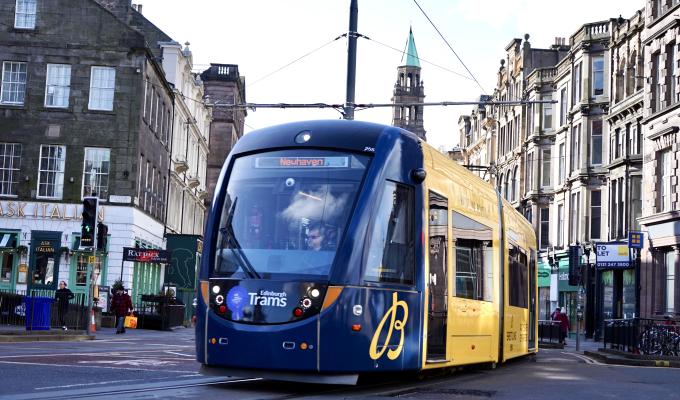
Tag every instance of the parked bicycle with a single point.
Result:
(660, 338)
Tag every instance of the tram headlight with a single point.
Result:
(216, 289)
(314, 293)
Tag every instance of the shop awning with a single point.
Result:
(8, 240)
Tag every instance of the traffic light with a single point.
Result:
(102, 235)
(89, 224)
(574, 265)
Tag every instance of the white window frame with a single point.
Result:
(58, 83)
(546, 168)
(58, 173)
(14, 87)
(25, 12)
(10, 165)
(665, 181)
(100, 87)
(597, 72)
(97, 156)
(547, 112)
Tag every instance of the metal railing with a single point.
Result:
(643, 336)
(158, 312)
(548, 331)
(43, 311)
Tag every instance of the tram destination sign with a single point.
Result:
(146, 255)
(612, 255)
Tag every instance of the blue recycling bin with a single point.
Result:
(38, 313)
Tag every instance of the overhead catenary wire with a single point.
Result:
(254, 106)
(294, 61)
(449, 45)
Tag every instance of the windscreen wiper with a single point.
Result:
(235, 247)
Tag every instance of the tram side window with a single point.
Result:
(474, 256)
(391, 255)
(472, 267)
(519, 285)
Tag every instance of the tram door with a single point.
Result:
(438, 279)
(532, 299)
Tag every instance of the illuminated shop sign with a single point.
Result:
(301, 162)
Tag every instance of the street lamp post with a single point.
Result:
(587, 247)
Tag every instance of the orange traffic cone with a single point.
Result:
(93, 324)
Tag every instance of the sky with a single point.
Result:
(265, 37)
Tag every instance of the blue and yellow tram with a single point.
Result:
(340, 248)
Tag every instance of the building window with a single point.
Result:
(58, 85)
(530, 172)
(545, 228)
(515, 186)
(621, 230)
(576, 148)
(545, 173)
(668, 283)
(547, 113)
(598, 75)
(596, 143)
(573, 220)
(10, 163)
(51, 171)
(562, 165)
(664, 184)
(672, 76)
(657, 81)
(13, 83)
(576, 85)
(563, 106)
(560, 225)
(595, 214)
(102, 86)
(96, 172)
(24, 16)
(636, 201)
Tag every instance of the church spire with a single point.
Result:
(411, 54)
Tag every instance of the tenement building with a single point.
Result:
(87, 109)
(660, 292)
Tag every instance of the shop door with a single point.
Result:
(44, 264)
(438, 279)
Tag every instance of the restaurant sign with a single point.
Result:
(146, 255)
(60, 211)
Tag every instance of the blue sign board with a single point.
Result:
(636, 239)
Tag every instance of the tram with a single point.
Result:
(340, 248)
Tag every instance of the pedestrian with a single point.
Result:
(554, 314)
(564, 325)
(63, 295)
(121, 306)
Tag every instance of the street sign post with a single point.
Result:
(636, 239)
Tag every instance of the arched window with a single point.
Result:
(409, 81)
(618, 96)
(631, 72)
(401, 79)
(501, 186)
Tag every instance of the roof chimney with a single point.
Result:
(139, 8)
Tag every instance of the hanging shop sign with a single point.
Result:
(146, 255)
(612, 255)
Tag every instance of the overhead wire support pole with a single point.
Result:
(351, 59)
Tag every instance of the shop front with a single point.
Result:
(544, 305)
(9, 260)
(615, 283)
(568, 295)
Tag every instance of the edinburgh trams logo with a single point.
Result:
(395, 324)
(268, 298)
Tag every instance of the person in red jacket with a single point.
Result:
(564, 325)
(121, 305)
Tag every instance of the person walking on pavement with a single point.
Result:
(564, 325)
(63, 295)
(121, 306)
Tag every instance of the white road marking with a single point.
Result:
(581, 357)
(140, 362)
(86, 384)
(108, 353)
(91, 366)
(179, 354)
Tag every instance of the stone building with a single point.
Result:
(223, 86)
(660, 292)
(409, 89)
(75, 122)
(190, 142)
(478, 140)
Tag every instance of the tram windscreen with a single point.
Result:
(285, 212)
